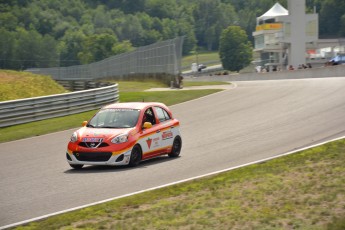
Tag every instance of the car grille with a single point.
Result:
(93, 144)
(92, 156)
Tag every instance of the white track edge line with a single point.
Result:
(169, 184)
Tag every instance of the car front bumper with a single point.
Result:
(91, 158)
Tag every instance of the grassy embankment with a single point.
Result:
(300, 191)
(16, 85)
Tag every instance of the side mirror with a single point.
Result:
(147, 125)
(84, 123)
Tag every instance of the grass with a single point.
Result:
(137, 86)
(129, 91)
(16, 85)
(167, 97)
(300, 191)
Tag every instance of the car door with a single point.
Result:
(167, 128)
(151, 141)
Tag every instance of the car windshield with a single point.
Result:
(114, 118)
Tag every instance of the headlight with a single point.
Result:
(74, 137)
(120, 139)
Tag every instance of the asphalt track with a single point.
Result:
(252, 121)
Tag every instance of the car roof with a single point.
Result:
(133, 105)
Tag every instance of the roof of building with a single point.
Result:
(276, 10)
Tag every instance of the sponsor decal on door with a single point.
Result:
(167, 135)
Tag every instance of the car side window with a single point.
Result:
(162, 114)
(149, 116)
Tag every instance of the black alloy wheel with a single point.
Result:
(135, 156)
(176, 148)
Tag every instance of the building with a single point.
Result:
(282, 37)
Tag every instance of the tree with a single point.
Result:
(97, 47)
(123, 47)
(72, 41)
(211, 17)
(342, 26)
(161, 8)
(130, 28)
(7, 43)
(235, 50)
(330, 17)
(8, 21)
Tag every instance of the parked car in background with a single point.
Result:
(201, 67)
(337, 60)
(125, 134)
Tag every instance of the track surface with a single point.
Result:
(252, 121)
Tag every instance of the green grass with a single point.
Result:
(167, 97)
(16, 85)
(137, 86)
(300, 191)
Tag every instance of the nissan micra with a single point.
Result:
(125, 134)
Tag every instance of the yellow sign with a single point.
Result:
(271, 26)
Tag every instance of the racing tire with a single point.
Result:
(136, 155)
(75, 166)
(176, 148)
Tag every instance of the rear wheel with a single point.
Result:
(176, 148)
(76, 166)
(135, 156)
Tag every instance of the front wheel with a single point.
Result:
(135, 156)
(76, 166)
(176, 148)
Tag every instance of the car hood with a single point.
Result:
(105, 133)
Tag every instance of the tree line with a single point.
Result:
(49, 33)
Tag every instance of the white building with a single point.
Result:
(283, 36)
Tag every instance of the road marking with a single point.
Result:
(169, 184)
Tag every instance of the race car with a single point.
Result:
(125, 134)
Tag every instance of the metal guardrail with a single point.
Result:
(38, 108)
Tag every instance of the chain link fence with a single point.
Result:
(161, 57)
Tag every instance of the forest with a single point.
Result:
(50, 33)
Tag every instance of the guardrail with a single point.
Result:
(38, 108)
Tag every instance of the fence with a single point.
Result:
(160, 57)
(33, 109)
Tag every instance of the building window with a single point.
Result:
(259, 41)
